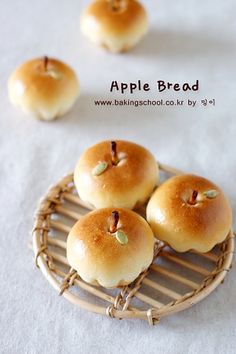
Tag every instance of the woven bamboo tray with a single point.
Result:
(174, 281)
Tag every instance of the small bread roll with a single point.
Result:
(46, 88)
(118, 25)
(116, 174)
(189, 213)
(110, 247)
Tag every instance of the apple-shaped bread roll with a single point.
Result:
(110, 247)
(44, 87)
(117, 25)
(116, 174)
(189, 212)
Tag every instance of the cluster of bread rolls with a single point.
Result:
(47, 88)
(113, 244)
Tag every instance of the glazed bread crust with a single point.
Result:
(118, 29)
(127, 184)
(184, 226)
(45, 94)
(97, 255)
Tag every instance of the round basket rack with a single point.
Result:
(173, 282)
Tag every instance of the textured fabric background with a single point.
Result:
(188, 40)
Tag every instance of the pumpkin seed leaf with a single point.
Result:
(55, 74)
(121, 237)
(211, 194)
(99, 168)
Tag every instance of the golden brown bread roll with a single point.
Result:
(189, 212)
(116, 174)
(118, 25)
(44, 87)
(110, 247)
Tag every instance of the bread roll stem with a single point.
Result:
(193, 198)
(114, 221)
(45, 63)
(114, 158)
(116, 4)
